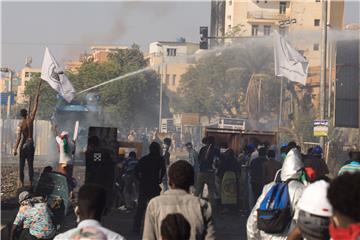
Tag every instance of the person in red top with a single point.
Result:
(344, 196)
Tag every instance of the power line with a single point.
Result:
(53, 44)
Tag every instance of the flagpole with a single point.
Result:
(323, 66)
(281, 102)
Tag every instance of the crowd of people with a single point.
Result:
(290, 194)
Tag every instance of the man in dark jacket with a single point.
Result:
(256, 173)
(150, 171)
(207, 155)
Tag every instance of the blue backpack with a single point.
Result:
(274, 213)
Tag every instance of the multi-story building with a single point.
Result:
(100, 53)
(171, 60)
(97, 53)
(25, 75)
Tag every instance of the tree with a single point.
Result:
(218, 84)
(47, 100)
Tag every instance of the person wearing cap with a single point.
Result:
(314, 213)
(33, 220)
(67, 150)
(315, 161)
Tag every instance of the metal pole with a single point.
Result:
(281, 102)
(259, 95)
(323, 65)
(10, 94)
(330, 80)
(161, 90)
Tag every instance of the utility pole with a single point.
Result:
(161, 84)
(10, 94)
(323, 65)
(281, 101)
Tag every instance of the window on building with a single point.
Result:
(254, 30)
(229, 17)
(265, 1)
(317, 0)
(316, 22)
(167, 79)
(267, 29)
(283, 31)
(282, 8)
(171, 52)
(27, 74)
(229, 26)
(174, 79)
(257, 1)
(316, 47)
(230, 3)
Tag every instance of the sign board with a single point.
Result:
(190, 119)
(321, 128)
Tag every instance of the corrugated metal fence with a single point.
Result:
(43, 136)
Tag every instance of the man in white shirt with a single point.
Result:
(91, 204)
(178, 200)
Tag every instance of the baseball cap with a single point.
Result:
(24, 196)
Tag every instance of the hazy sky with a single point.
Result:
(69, 28)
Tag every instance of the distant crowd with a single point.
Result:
(290, 195)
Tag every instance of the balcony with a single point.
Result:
(266, 16)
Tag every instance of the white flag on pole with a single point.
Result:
(289, 63)
(54, 75)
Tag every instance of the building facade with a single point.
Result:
(98, 54)
(25, 75)
(171, 60)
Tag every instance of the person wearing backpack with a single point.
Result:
(273, 215)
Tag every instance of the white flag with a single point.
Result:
(54, 75)
(289, 63)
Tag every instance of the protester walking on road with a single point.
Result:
(150, 171)
(25, 138)
(344, 196)
(256, 173)
(193, 157)
(178, 200)
(207, 156)
(89, 210)
(315, 161)
(270, 167)
(291, 172)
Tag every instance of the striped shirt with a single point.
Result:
(350, 168)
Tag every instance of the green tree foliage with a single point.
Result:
(130, 102)
(48, 98)
(218, 84)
